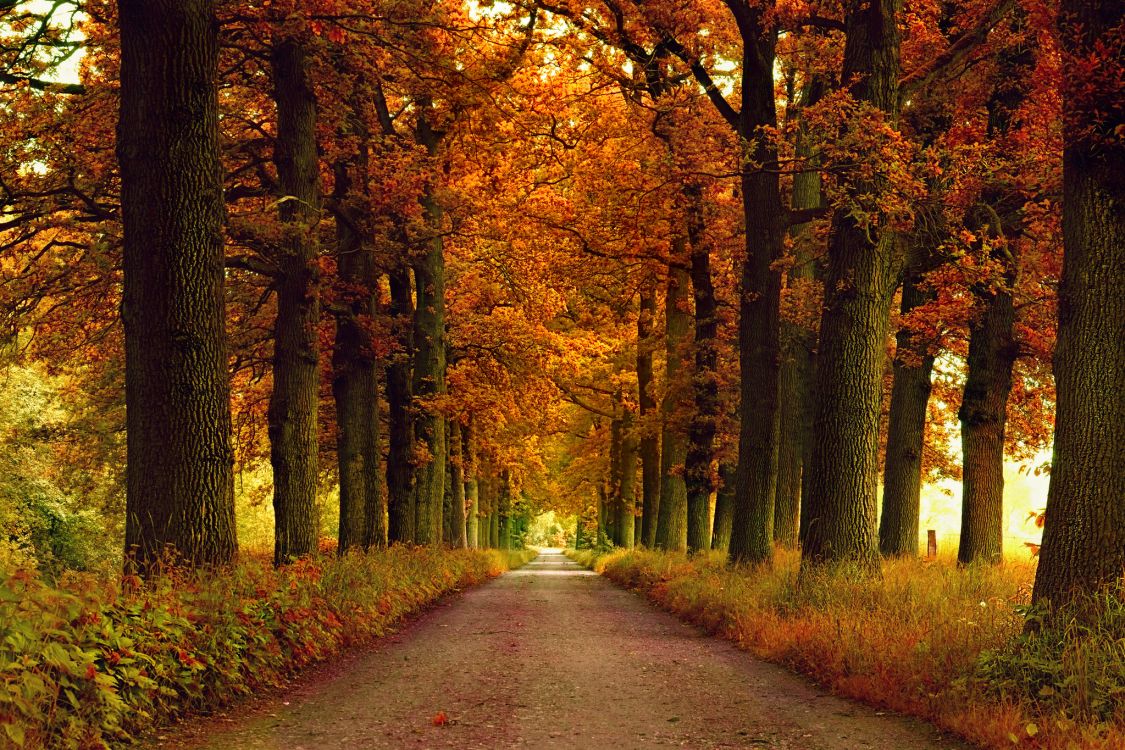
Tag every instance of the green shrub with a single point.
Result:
(1074, 665)
(91, 662)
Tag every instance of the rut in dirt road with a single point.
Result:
(553, 656)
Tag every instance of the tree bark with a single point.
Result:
(624, 524)
(457, 472)
(1084, 536)
(485, 500)
(798, 346)
(724, 508)
(180, 486)
(374, 505)
(400, 449)
(504, 512)
(983, 415)
(613, 481)
(992, 346)
(671, 523)
(759, 294)
(649, 441)
(906, 433)
(468, 458)
(354, 380)
(293, 403)
(429, 361)
(861, 280)
(705, 382)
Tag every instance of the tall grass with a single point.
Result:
(924, 638)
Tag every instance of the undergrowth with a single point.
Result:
(924, 638)
(90, 663)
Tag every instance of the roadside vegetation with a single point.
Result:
(929, 639)
(93, 661)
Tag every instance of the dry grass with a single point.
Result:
(927, 639)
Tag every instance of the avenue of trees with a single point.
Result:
(709, 275)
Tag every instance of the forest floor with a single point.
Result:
(553, 656)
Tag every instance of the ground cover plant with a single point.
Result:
(91, 662)
(928, 639)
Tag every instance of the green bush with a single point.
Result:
(92, 662)
(1075, 665)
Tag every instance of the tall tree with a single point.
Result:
(724, 508)
(355, 380)
(180, 486)
(840, 479)
(705, 384)
(457, 489)
(671, 519)
(400, 448)
(296, 359)
(759, 345)
(983, 415)
(906, 431)
(650, 440)
(1084, 533)
(798, 336)
(626, 501)
(429, 351)
(993, 347)
(472, 486)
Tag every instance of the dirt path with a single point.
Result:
(553, 656)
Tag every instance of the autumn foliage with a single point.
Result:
(90, 663)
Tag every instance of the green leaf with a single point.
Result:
(15, 733)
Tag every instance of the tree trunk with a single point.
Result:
(374, 506)
(1084, 536)
(448, 522)
(400, 449)
(296, 357)
(860, 284)
(798, 344)
(468, 459)
(671, 523)
(724, 508)
(457, 474)
(983, 415)
(906, 433)
(992, 346)
(354, 380)
(429, 360)
(649, 442)
(705, 383)
(504, 512)
(485, 501)
(624, 524)
(613, 481)
(493, 513)
(180, 487)
(759, 301)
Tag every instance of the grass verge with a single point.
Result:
(89, 663)
(926, 639)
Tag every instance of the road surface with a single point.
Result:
(554, 656)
